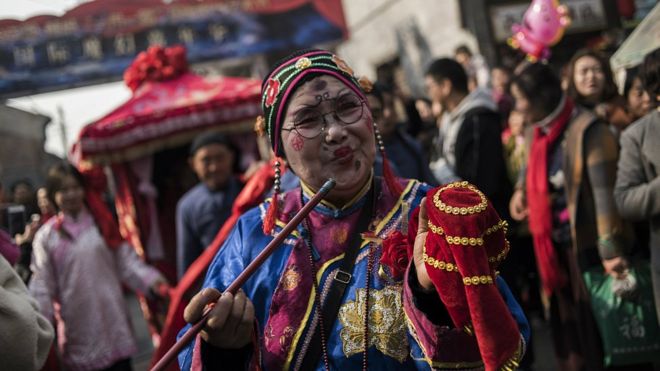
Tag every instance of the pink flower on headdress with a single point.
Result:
(272, 90)
(342, 65)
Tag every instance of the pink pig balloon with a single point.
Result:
(543, 26)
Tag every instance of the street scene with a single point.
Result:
(329, 185)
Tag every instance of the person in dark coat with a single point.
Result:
(637, 189)
(468, 146)
(202, 211)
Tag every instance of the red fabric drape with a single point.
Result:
(133, 215)
(131, 209)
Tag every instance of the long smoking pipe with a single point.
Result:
(245, 275)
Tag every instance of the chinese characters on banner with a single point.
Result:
(96, 41)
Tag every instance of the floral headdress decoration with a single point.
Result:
(292, 72)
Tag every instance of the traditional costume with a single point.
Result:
(385, 319)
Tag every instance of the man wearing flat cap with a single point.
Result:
(202, 211)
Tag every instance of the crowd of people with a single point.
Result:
(567, 163)
(543, 148)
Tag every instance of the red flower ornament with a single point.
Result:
(272, 90)
(395, 254)
(156, 64)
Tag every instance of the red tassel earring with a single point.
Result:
(271, 214)
(388, 174)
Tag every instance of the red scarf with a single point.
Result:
(538, 200)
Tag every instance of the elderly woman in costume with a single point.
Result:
(368, 280)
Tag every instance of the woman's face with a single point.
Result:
(69, 198)
(523, 106)
(589, 78)
(344, 149)
(499, 80)
(639, 103)
(516, 123)
(44, 202)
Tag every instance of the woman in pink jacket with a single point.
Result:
(78, 275)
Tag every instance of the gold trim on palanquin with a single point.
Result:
(455, 210)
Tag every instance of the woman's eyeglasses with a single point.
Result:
(348, 109)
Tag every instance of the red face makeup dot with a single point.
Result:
(297, 142)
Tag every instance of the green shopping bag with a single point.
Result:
(628, 327)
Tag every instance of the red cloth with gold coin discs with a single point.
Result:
(465, 244)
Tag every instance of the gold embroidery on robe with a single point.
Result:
(268, 335)
(291, 278)
(340, 236)
(287, 333)
(387, 323)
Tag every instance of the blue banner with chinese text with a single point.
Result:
(96, 41)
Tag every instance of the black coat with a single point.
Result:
(480, 157)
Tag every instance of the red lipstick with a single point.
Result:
(342, 152)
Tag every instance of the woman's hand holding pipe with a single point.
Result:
(230, 322)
